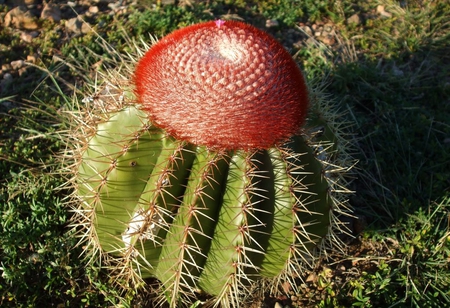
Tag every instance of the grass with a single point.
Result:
(390, 74)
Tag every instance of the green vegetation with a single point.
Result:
(388, 71)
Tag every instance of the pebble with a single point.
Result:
(278, 305)
(382, 12)
(77, 25)
(327, 35)
(270, 23)
(32, 58)
(28, 36)
(93, 9)
(20, 18)
(15, 65)
(306, 29)
(354, 19)
(7, 77)
(327, 40)
(6, 67)
(22, 70)
(51, 12)
(311, 277)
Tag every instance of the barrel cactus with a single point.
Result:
(213, 168)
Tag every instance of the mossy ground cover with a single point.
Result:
(389, 72)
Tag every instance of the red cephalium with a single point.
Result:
(226, 85)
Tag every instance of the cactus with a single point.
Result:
(211, 202)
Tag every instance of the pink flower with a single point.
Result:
(219, 22)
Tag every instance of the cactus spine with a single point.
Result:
(206, 219)
(200, 219)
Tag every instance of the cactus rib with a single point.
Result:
(114, 173)
(185, 250)
(201, 219)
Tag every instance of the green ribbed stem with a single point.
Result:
(199, 219)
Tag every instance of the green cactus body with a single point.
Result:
(112, 175)
(228, 177)
(199, 219)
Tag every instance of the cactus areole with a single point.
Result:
(222, 84)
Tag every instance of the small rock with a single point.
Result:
(270, 23)
(51, 12)
(286, 286)
(28, 36)
(114, 6)
(7, 77)
(312, 277)
(354, 19)
(15, 65)
(32, 58)
(93, 9)
(307, 30)
(77, 26)
(327, 40)
(6, 67)
(22, 70)
(382, 12)
(20, 18)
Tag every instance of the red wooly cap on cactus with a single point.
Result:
(222, 84)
